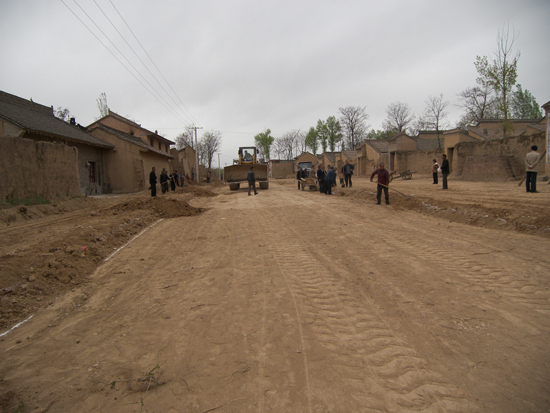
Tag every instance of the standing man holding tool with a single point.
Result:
(383, 182)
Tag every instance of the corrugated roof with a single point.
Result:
(39, 119)
(131, 139)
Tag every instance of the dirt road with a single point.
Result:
(292, 301)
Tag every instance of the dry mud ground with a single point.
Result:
(288, 301)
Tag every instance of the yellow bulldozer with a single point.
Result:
(236, 174)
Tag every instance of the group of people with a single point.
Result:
(167, 181)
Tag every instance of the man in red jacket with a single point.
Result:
(383, 182)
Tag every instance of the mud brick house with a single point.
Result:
(136, 151)
(369, 154)
(26, 120)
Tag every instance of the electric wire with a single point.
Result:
(166, 105)
(139, 58)
(153, 62)
(130, 63)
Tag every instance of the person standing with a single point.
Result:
(445, 170)
(251, 178)
(435, 167)
(172, 183)
(330, 180)
(208, 175)
(164, 181)
(299, 177)
(531, 161)
(348, 172)
(153, 182)
(182, 178)
(193, 175)
(321, 179)
(383, 182)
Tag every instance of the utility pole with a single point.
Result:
(196, 154)
(219, 170)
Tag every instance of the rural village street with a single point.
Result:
(293, 301)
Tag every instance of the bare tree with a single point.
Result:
(478, 103)
(286, 145)
(398, 117)
(63, 113)
(209, 144)
(501, 73)
(353, 121)
(186, 137)
(102, 105)
(434, 116)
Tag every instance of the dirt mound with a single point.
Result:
(42, 259)
(533, 220)
(164, 207)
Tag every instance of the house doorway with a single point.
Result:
(450, 152)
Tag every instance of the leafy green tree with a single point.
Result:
(322, 133)
(312, 140)
(263, 141)
(500, 74)
(381, 134)
(524, 105)
(334, 132)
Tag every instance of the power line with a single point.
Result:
(152, 61)
(142, 62)
(130, 63)
(166, 105)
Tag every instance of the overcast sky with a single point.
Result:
(240, 67)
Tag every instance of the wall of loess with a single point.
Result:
(501, 159)
(37, 169)
(417, 161)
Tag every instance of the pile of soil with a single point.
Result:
(42, 259)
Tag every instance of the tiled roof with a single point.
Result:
(39, 119)
(131, 139)
(350, 155)
(379, 145)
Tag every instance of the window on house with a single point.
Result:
(160, 146)
(485, 132)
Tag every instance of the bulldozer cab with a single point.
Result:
(248, 155)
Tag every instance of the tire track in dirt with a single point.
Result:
(382, 372)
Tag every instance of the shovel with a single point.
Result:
(395, 190)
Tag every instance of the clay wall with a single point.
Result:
(481, 161)
(417, 161)
(281, 170)
(50, 169)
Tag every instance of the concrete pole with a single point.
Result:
(196, 155)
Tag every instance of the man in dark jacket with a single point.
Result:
(347, 170)
(383, 182)
(444, 170)
(330, 180)
(153, 182)
(321, 179)
(164, 181)
(251, 178)
(299, 177)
